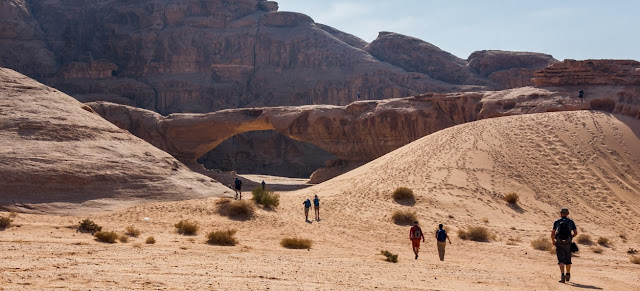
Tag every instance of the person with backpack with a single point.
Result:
(316, 207)
(238, 188)
(307, 205)
(415, 233)
(442, 237)
(564, 229)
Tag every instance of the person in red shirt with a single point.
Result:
(414, 235)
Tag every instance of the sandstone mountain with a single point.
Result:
(57, 151)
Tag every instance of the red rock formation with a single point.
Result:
(589, 72)
(509, 69)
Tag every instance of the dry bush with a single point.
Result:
(404, 217)
(187, 227)
(5, 222)
(266, 198)
(87, 225)
(222, 238)
(632, 251)
(123, 238)
(542, 244)
(137, 245)
(512, 241)
(403, 193)
(296, 243)
(635, 260)
(150, 240)
(603, 104)
(132, 231)
(603, 241)
(485, 220)
(241, 209)
(390, 256)
(511, 198)
(584, 239)
(106, 236)
(475, 233)
(597, 250)
(623, 236)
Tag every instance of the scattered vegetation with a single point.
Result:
(635, 260)
(404, 217)
(106, 236)
(390, 256)
(5, 222)
(296, 243)
(403, 194)
(187, 227)
(88, 225)
(632, 251)
(597, 250)
(542, 244)
(123, 238)
(623, 236)
(222, 238)
(150, 240)
(485, 220)
(584, 239)
(603, 241)
(511, 198)
(137, 245)
(475, 233)
(603, 104)
(266, 197)
(132, 231)
(241, 209)
(513, 241)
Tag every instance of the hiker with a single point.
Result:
(358, 94)
(264, 185)
(415, 233)
(564, 229)
(307, 205)
(238, 188)
(581, 95)
(316, 207)
(442, 237)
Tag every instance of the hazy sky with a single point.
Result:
(566, 29)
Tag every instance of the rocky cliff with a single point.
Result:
(589, 73)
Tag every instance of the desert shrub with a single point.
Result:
(603, 241)
(296, 243)
(635, 260)
(597, 250)
(512, 241)
(542, 244)
(390, 256)
(132, 231)
(485, 220)
(88, 225)
(403, 193)
(404, 217)
(137, 245)
(511, 198)
(106, 236)
(603, 104)
(632, 251)
(475, 233)
(235, 209)
(623, 236)
(150, 240)
(266, 197)
(123, 238)
(222, 238)
(187, 227)
(5, 222)
(584, 239)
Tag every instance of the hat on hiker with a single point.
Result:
(564, 210)
(415, 222)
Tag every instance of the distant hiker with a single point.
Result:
(238, 188)
(316, 207)
(415, 233)
(564, 229)
(307, 205)
(358, 94)
(442, 237)
(263, 185)
(581, 95)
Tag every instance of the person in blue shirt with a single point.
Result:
(316, 207)
(442, 237)
(238, 188)
(307, 205)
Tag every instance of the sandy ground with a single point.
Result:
(586, 161)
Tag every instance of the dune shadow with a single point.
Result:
(583, 286)
(516, 208)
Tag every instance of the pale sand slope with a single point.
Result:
(587, 161)
(57, 156)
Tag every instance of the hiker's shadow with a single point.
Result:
(309, 221)
(584, 286)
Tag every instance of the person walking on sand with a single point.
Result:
(307, 205)
(316, 207)
(264, 185)
(564, 230)
(415, 233)
(441, 238)
(238, 188)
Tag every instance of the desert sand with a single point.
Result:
(587, 161)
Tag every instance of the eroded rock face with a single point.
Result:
(589, 72)
(58, 154)
(509, 69)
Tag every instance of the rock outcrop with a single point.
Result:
(509, 69)
(58, 154)
(589, 73)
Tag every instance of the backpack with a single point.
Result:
(563, 232)
(442, 235)
(417, 232)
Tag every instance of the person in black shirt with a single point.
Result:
(564, 229)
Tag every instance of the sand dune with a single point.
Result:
(587, 161)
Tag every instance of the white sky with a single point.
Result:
(566, 29)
